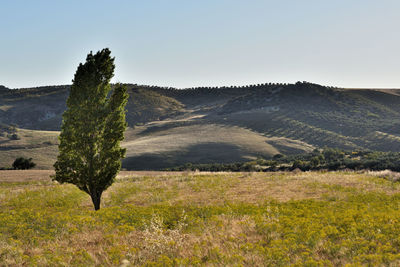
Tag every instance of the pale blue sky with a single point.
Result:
(185, 43)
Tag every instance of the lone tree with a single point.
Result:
(93, 126)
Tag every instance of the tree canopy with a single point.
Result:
(92, 129)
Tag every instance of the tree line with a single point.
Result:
(319, 159)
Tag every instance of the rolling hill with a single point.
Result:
(169, 127)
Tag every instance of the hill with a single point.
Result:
(41, 108)
(170, 127)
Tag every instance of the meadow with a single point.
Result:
(196, 219)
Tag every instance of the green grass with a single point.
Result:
(205, 219)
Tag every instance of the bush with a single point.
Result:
(14, 137)
(22, 163)
(328, 158)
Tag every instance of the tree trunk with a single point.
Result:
(96, 200)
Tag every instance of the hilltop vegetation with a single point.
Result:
(166, 123)
(3, 88)
(187, 219)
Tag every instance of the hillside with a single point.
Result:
(170, 127)
(145, 106)
(41, 108)
(36, 144)
(320, 116)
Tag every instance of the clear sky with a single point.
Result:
(186, 43)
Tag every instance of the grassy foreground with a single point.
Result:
(249, 219)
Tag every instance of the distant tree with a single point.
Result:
(297, 164)
(22, 163)
(93, 126)
(314, 162)
(331, 154)
(272, 164)
(14, 136)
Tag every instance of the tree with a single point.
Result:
(92, 129)
(314, 162)
(22, 163)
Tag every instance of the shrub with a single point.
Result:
(14, 137)
(22, 163)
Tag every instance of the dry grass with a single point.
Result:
(203, 138)
(39, 145)
(149, 187)
(201, 218)
(387, 174)
(202, 188)
(198, 143)
(25, 175)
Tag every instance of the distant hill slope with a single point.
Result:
(3, 88)
(347, 119)
(171, 127)
(36, 144)
(145, 106)
(41, 108)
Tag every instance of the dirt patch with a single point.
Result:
(44, 175)
(25, 175)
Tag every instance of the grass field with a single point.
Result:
(39, 145)
(213, 219)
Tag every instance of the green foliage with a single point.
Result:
(22, 163)
(327, 158)
(93, 127)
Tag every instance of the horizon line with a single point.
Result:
(217, 87)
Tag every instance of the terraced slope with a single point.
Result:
(320, 116)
